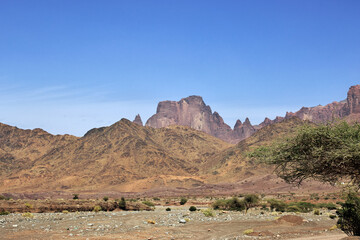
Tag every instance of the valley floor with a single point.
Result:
(161, 224)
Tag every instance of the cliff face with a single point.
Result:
(353, 101)
(332, 111)
(193, 112)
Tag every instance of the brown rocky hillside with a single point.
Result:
(122, 157)
(20, 148)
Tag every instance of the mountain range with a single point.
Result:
(183, 147)
(193, 112)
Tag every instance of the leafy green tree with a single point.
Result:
(328, 153)
(349, 215)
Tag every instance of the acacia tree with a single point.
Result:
(328, 153)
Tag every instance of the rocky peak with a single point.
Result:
(353, 100)
(238, 124)
(243, 130)
(198, 100)
(138, 120)
(247, 122)
(266, 122)
(193, 112)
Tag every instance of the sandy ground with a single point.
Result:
(161, 224)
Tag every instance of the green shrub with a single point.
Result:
(329, 206)
(332, 216)
(156, 199)
(207, 212)
(122, 203)
(316, 212)
(220, 204)
(251, 200)
(75, 196)
(4, 213)
(304, 207)
(277, 205)
(349, 215)
(148, 203)
(192, 209)
(106, 198)
(28, 206)
(230, 204)
(168, 209)
(97, 208)
(28, 215)
(183, 201)
(248, 231)
(293, 209)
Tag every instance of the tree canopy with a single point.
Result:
(328, 153)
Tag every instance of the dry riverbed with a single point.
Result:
(179, 223)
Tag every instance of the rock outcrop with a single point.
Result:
(138, 120)
(243, 130)
(353, 101)
(193, 112)
(332, 111)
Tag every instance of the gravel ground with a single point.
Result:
(179, 223)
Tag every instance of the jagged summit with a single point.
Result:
(193, 112)
(138, 120)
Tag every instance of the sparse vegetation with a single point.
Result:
(97, 208)
(75, 196)
(4, 213)
(192, 209)
(28, 215)
(28, 206)
(316, 212)
(4, 198)
(149, 203)
(105, 198)
(233, 204)
(208, 212)
(168, 209)
(248, 231)
(122, 203)
(250, 200)
(329, 206)
(277, 205)
(183, 201)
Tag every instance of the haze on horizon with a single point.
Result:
(69, 66)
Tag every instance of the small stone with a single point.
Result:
(15, 226)
(182, 221)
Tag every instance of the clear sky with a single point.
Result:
(69, 65)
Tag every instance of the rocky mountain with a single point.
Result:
(124, 156)
(347, 108)
(20, 148)
(194, 113)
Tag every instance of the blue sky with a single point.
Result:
(68, 66)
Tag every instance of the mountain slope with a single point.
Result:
(116, 156)
(20, 148)
(233, 164)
